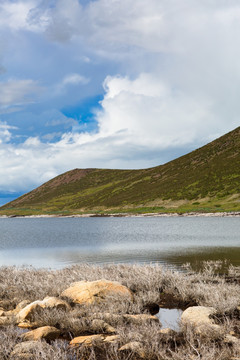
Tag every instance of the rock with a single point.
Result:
(54, 302)
(133, 347)
(100, 326)
(87, 340)
(44, 332)
(89, 292)
(199, 318)
(1, 312)
(27, 325)
(47, 302)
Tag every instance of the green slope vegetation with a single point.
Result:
(207, 179)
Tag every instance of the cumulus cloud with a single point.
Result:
(141, 123)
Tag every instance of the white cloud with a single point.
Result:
(75, 79)
(141, 122)
(177, 87)
(20, 15)
(5, 134)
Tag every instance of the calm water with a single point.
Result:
(59, 242)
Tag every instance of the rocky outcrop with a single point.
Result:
(89, 292)
(44, 332)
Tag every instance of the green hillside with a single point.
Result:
(207, 179)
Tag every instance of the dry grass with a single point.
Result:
(149, 284)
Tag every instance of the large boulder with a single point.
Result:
(47, 302)
(89, 292)
(199, 318)
(44, 332)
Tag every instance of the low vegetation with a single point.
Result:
(215, 284)
(205, 180)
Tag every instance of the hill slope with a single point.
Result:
(206, 179)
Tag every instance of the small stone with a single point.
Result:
(44, 332)
(87, 340)
(27, 325)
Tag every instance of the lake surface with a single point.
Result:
(60, 242)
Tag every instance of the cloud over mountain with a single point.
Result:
(167, 74)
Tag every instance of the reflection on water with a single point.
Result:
(170, 318)
(57, 242)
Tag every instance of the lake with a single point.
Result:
(60, 242)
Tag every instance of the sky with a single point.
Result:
(112, 84)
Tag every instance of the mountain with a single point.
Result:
(207, 179)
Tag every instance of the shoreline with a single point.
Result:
(190, 214)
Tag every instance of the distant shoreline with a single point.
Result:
(190, 214)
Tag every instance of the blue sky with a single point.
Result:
(112, 83)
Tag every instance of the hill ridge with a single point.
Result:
(206, 179)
